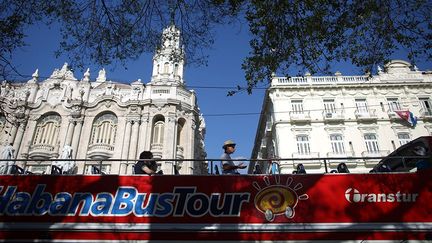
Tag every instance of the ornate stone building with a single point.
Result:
(342, 117)
(101, 119)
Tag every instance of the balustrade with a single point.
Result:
(333, 115)
(180, 152)
(366, 114)
(299, 116)
(100, 150)
(378, 153)
(426, 113)
(319, 80)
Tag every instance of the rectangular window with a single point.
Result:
(404, 138)
(337, 144)
(393, 104)
(303, 144)
(371, 143)
(329, 106)
(361, 106)
(297, 106)
(426, 105)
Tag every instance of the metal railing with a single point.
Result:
(207, 166)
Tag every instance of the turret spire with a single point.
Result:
(169, 60)
(172, 12)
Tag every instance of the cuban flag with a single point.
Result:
(408, 116)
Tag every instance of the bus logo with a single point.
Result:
(278, 199)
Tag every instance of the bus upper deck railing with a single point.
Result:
(207, 166)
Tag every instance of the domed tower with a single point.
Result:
(169, 59)
(177, 126)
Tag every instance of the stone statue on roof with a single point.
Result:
(63, 73)
(102, 76)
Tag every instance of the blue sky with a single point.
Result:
(223, 70)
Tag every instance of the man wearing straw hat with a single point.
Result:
(228, 166)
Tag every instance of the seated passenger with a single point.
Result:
(301, 169)
(422, 163)
(145, 165)
(342, 168)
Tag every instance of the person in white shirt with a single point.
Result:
(228, 166)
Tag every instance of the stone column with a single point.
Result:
(148, 133)
(18, 138)
(169, 144)
(28, 137)
(13, 133)
(134, 140)
(144, 135)
(193, 145)
(133, 145)
(126, 144)
(70, 131)
(76, 137)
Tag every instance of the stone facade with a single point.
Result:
(342, 116)
(102, 119)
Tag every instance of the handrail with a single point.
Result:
(211, 163)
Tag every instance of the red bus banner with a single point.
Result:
(245, 207)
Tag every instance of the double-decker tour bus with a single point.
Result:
(390, 203)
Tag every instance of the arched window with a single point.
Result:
(47, 131)
(166, 67)
(176, 66)
(180, 125)
(104, 130)
(337, 144)
(158, 130)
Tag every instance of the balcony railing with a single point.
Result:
(307, 163)
(337, 115)
(101, 146)
(308, 80)
(100, 150)
(393, 115)
(42, 151)
(157, 149)
(42, 147)
(305, 155)
(426, 113)
(340, 154)
(366, 115)
(379, 153)
(180, 152)
(297, 116)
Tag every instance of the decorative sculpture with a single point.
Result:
(7, 159)
(67, 166)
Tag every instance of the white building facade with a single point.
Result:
(101, 119)
(342, 117)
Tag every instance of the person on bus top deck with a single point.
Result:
(228, 166)
(144, 165)
(422, 163)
